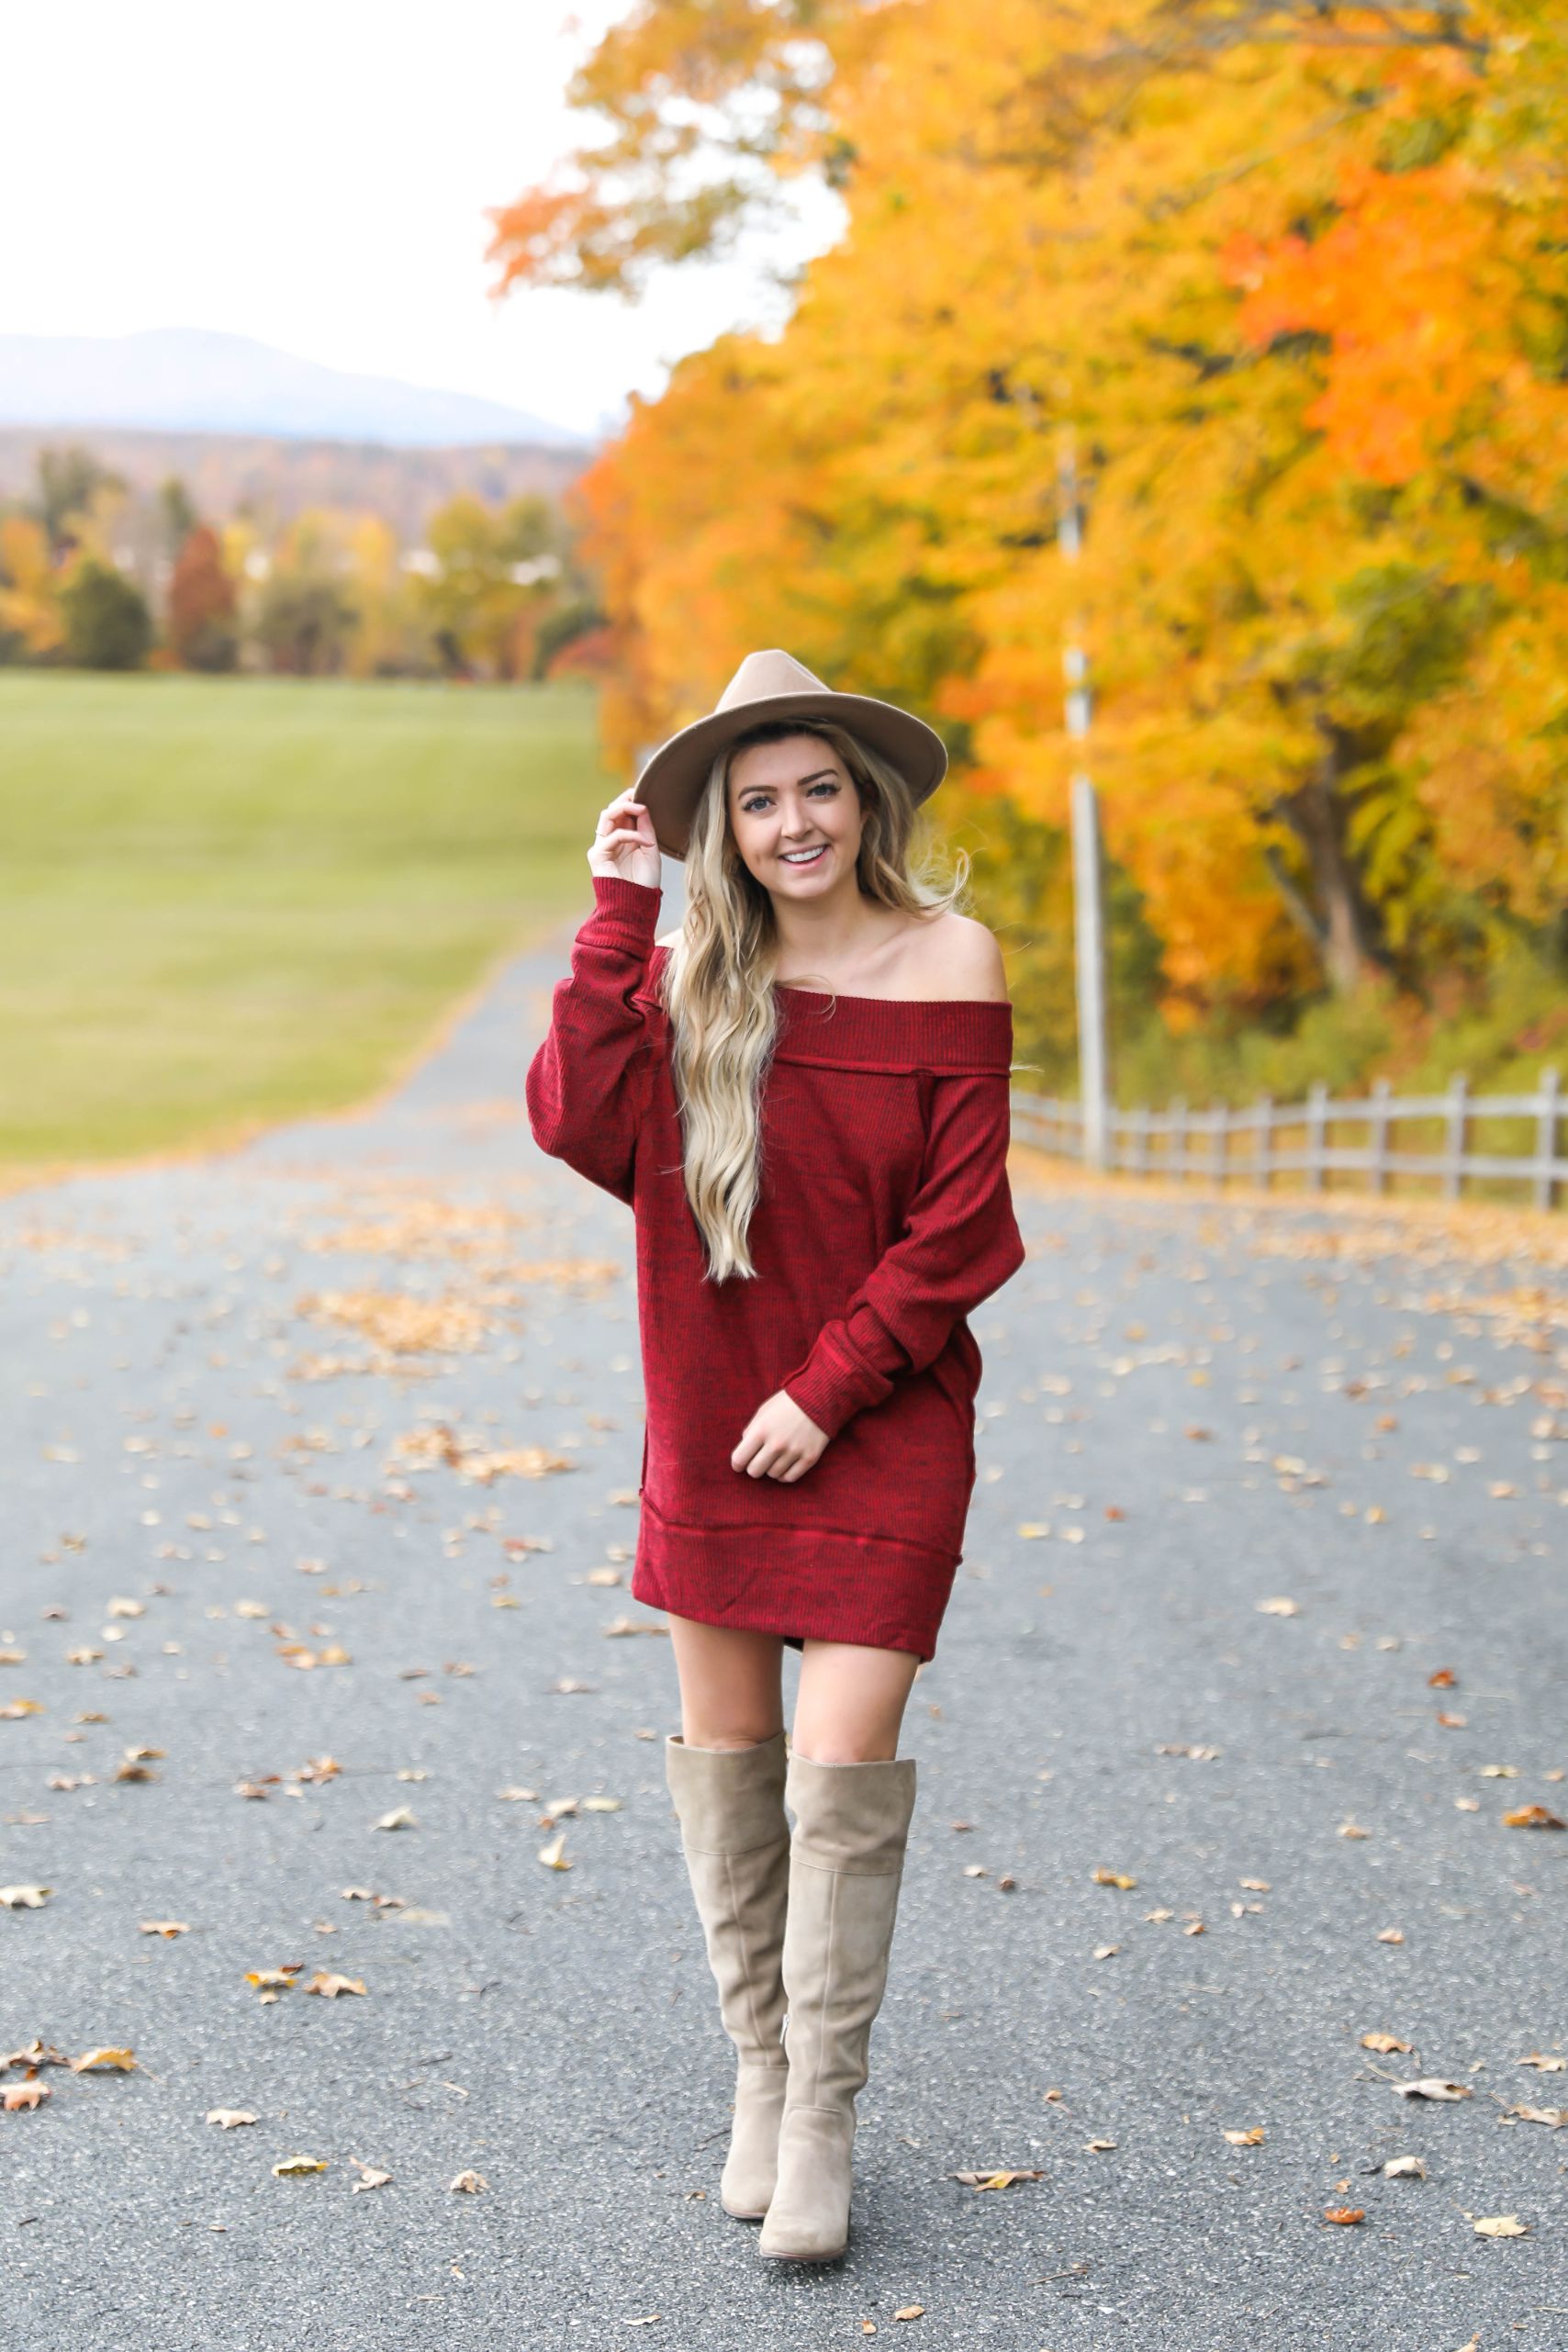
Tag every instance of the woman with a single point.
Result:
(803, 1093)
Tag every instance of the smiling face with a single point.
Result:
(795, 815)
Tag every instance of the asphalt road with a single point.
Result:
(1189, 1409)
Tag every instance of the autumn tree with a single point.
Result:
(107, 622)
(490, 579)
(1288, 280)
(203, 605)
(32, 624)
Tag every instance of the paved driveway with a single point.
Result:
(320, 1471)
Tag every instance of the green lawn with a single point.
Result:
(228, 902)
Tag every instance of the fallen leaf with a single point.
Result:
(994, 2179)
(1532, 1817)
(552, 1855)
(911, 2311)
(324, 1982)
(1112, 1879)
(399, 1820)
(1554, 2116)
(1384, 2042)
(24, 1898)
(164, 1927)
(1278, 1607)
(1345, 2215)
(229, 2116)
(1250, 2138)
(1432, 2087)
(1502, 2225)
(470, 2182)
(1098, 2147)
(369, 2176)
(24, 2095)
(1390, 1935)
(1545, 2064)
(296, 2168)
(1405, 2167)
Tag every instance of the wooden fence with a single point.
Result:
(1265, 1139)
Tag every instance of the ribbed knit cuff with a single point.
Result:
(835, 1384)
(626, 913)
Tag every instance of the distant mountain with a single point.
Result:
(182, 379)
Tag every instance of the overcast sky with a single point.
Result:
(314, 173)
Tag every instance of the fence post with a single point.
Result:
(1137, 1149)
(1377, 1135)
(1454, 1151)
(1316, 1133)
(1219, 1143)
(1547, 1117)
(1263, 1151)
(1176, 1139)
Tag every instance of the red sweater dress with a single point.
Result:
(885, 1216)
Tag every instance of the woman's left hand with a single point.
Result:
(778, 1441)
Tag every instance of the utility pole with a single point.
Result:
(1087, 876)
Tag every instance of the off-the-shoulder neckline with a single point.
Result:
(924, 1004)
(842, 996)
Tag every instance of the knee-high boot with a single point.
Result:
(845, 1866)
(735, 1836)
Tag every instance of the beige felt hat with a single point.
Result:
(776, 686)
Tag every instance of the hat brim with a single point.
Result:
(671, 784)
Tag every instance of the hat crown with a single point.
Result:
(761, 675)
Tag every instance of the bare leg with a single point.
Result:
(849, 1708)
(730, 1684)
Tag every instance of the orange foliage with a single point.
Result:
(1294, 282)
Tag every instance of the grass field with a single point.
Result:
(230, 902)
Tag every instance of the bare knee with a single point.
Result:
(698, 1733)
(829, 1749)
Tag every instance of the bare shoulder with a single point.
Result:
(959, 957)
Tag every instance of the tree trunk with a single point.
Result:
(1341, 924)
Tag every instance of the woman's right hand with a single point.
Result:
(624, 844)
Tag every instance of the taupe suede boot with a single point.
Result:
(735, 1836)
(845, 1864)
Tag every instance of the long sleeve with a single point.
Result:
(588, 1085)
(961, 1242)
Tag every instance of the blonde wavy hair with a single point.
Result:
(717, 984)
